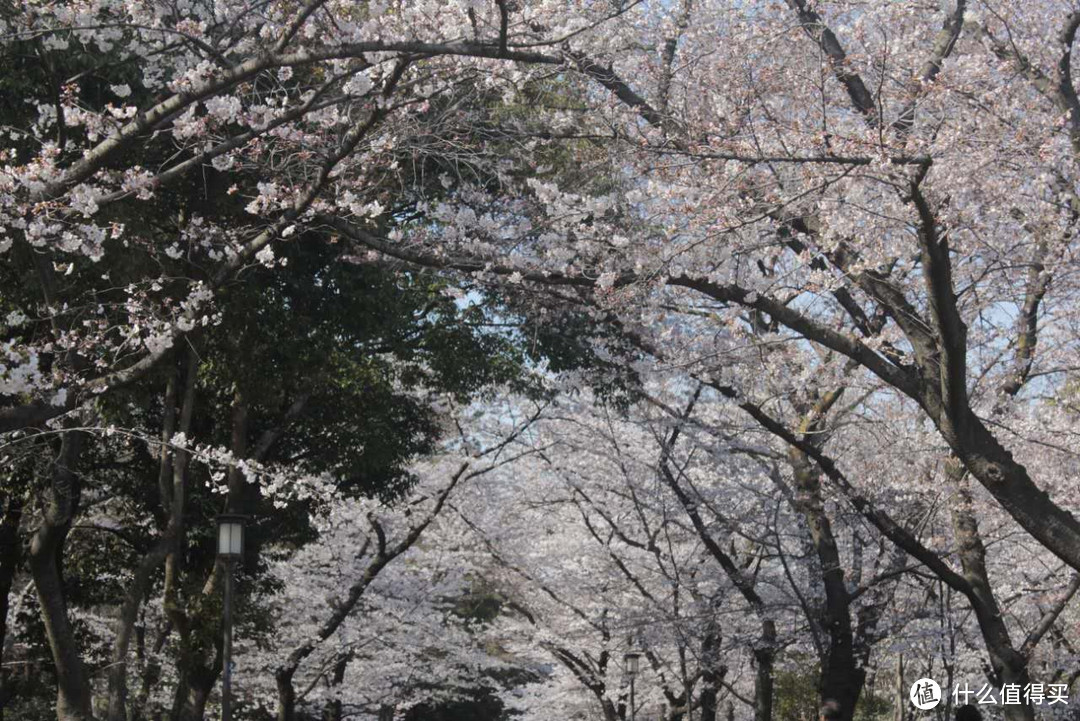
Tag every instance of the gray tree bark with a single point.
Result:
(10, 558)
(73, 697)
(1009, 666)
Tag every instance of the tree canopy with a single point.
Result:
(738, 335)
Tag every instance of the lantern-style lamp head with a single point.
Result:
(632, 660)
(230, 533)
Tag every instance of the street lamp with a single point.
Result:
(631, 662)
(230, 529)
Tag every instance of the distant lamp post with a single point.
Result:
(230, 549)
(631, 663)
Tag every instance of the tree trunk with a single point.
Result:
(286, 710)
(842, 678)
(186, 703)
(712, 672)
(611, 713)
(764, 659)
(10, 558)
(151, 675)
(140, 586)
(126, 628)
(196, 681)
(1009, 666)
(73, 698)
(901, 699)
(332, 712)
(194, 707)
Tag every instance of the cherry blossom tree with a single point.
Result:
(628, 539)
(870, 207)
(842, 233)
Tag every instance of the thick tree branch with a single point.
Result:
(1049, 618)
(942, 48)
(861, 97)
(950, 328)
(880, 519)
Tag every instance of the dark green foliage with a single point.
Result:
(481, 705)
(797, 697)
(362, 348)
(795, 689)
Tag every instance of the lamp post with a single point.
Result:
(631, 661)
(230, 549)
